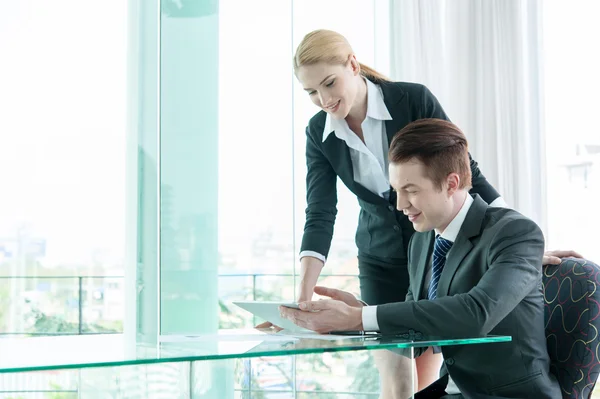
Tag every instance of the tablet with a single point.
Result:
(269, 311)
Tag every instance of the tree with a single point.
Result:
(40, 323)
(4, 306)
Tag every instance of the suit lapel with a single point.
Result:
(339, 152)
(423, 265)
(392, 97)
(339, 156)
(470, 228)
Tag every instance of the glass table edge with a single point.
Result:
(258, 354)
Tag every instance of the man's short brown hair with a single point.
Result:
(439, 144)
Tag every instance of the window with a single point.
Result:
(62, 157)
(263, 113)
(572, 62)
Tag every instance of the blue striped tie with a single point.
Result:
(440, 249)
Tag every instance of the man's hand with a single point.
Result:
(332, 293)
(338, 295)
(554, 257)
(304, 297)
(325, 316)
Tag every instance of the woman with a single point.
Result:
(361, 110)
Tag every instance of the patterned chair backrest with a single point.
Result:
(572, 315)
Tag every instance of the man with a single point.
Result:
(474, 270)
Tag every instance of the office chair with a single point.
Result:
(572, 315)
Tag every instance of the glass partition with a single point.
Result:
(156, 158)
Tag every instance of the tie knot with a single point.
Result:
(442, 246)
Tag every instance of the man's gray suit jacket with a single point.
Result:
(490, 285)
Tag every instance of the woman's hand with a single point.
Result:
(554, 257)
(268, 325)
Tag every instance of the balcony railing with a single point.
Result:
(75, 305)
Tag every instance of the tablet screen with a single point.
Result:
(269, 311)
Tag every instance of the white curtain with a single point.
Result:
(482, 59)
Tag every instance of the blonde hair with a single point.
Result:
(332, 48)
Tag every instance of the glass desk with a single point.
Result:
(206, 366)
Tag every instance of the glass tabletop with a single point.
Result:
(81, 351)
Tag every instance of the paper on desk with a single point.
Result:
(259, 336)
(281, 336)
(314, 335)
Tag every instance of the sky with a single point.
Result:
(62, 128)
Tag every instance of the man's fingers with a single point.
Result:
(288, 313)
(315, 306)
(295, 316)
(326, 291)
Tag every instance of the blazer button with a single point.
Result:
(391, 208)
(396, 228)
(449, 361)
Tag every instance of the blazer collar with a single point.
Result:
(339, 153)
(471, 227)
(392, 95)
(423, 264)
(376, 109)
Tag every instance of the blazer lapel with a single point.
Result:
(392, 97)
(422, 265)
(339, 152)
(339, 156)
(470, 228)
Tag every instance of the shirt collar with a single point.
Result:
(453, 228)
(376, 109)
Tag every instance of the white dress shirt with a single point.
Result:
(369, 159)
